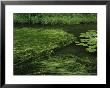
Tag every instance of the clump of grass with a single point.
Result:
(31, 44)
(88, 40)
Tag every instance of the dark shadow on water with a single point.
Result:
(75, 50)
